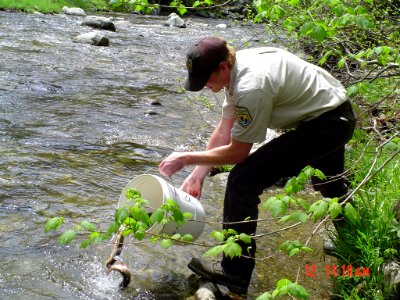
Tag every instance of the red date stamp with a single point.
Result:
(335, 271)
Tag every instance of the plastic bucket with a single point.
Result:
(156, 190)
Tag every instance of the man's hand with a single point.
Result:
(172, 164)
(193, 184)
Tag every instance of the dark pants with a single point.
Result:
(319, 143)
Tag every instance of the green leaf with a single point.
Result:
(166, 243)
(88, 226)
(232, 250)
(351, 214)
(218, 236)
(113, 228)
(178, 216)
(187, 238)
(335, 209)
(352, 90)
(363, 22)
(139, 214)
(276, 206)
(325, 57)
(306, 28)
(319, 174)
(318, 209)
(283, 282)
(157, 215)
(299, 216)
(298, 291)
(231, 231)
(214, 251)
(67, 237)
(341, 62)
(188, 216)
(318, 33)
(294, 251)
(245, 238)
(306, 249)
(85, 243)
(303, 203)
(265, 296)
(132, 193)
(139, 235)
(53, 224)
(196, 3)
(121, 214)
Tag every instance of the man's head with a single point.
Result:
(202, 59)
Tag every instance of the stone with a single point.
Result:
(175, 21)
(92, 38)
(99, 22)
(75, 11)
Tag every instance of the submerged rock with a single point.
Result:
(99, 22)
(75, 11)
(92, 38)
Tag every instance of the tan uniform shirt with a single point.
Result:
(273, 88)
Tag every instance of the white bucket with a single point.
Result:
(156, 190)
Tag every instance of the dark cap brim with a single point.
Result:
(196, 83)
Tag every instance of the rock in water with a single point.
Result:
(99, 22)
(92, 38)
(75, 11)
(175, 21)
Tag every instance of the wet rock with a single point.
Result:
(92, 38)
(99, 22)
(75, 11)
(175, 21)
(207, 291)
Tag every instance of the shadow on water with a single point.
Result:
(74, 131)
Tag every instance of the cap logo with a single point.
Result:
(189, 65)
(243, 116)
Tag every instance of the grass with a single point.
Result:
(373, 238)
(52, 6)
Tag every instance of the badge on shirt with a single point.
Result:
(243, 116)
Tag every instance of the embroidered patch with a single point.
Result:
(189, 65)
(243, 116)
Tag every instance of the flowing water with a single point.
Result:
(74, 129)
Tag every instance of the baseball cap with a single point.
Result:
(202, 59)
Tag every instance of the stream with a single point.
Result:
(75, 128)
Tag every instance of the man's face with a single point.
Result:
(219, 78)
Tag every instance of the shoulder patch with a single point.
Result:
(243, 116)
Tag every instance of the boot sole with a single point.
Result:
(232, 287)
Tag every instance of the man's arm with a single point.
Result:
(222, 149)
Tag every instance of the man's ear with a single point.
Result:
(223, 65)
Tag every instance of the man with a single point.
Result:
(264, 88)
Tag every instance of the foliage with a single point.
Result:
(357, 40)
(147, 7)
(135, 221)
(371, 238)
(50, 6)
